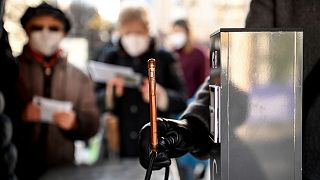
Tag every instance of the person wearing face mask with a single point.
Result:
(44, 71)
(193, 58)
(131, 105)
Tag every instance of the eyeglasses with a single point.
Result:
(50, 28)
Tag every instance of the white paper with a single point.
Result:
(50, 106)
(104, 72)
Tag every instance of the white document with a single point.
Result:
(50, 106)
(103, 72)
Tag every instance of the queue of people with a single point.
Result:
(194, 123)
(41, 75)
(45, 138)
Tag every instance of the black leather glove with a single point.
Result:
(176, 138)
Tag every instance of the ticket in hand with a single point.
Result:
(49, 106)
(103, 72)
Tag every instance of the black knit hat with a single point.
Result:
(45, 9)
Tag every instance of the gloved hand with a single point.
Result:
(175, 138)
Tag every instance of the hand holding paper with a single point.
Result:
(31, 113)
(116, 84)
(50, 106)
(65, 120)
(104, 72)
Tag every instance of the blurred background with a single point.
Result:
(93, 21)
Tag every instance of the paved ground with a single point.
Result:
(107, 170)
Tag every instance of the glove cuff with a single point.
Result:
(203, 144)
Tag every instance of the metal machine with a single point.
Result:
(256, 104)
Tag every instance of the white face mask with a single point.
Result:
(45, 42)
(177, 40)
(135, 44)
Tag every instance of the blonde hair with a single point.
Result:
(134, 12)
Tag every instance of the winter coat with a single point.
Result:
(42, 145)
(8, 111)
(195, 66)
(132, 111)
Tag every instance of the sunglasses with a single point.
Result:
(50, 28)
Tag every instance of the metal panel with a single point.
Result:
(260, 74)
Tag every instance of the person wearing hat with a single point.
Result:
(45, 72)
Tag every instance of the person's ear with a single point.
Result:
(28, 30)
(28, 33)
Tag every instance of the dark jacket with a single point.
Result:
(40, 145)
(132, 111)
(8, 77)
(299, 14)
(195, 67)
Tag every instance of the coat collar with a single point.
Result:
(31, 56)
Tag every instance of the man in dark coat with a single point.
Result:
(263, 14)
